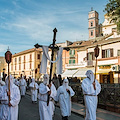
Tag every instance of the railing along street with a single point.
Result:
(109, 97)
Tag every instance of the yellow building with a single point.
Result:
(26, 63)
(2, 65)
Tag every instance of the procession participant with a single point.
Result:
(64, 94)
(44, 110)
(2, 83)
(60, 79)
(34, 86)
(22, 83)
(9, 109)
(16, 82)
(55, 81)
(91, 88)
(52, 98)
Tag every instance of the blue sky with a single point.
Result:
(24, 23)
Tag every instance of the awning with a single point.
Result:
(81, 72)
(69, 73)
(103, 71)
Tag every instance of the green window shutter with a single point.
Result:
(69, 61)
(70, 52)
(74, 52)
(73, 61)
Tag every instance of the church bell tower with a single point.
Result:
(93, 22)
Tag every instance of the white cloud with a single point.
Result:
(3, 49)
(28, 22)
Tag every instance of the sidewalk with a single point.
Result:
(102, 114)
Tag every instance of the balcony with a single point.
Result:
(75, 65)
(90, 63)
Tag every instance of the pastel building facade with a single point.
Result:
(26, 63)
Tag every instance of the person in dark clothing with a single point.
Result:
(60, 79)
(55, 81)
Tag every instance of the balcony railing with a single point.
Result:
(109, 97)
(75, 65)
(90, 63)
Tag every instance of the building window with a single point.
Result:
(38, 65)
(24, 58)
(19, 67)
(85, 59)
(72, 52)
(30, 56)
(15, 67)
(107, 53)
(24, 66)
(91, 24)
(38, 56)
(90, 56)
(15, 60)
(91, 32)
(30, 66)
(118, 53)
(72, 61)
(19, 59)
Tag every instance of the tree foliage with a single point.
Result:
(113, 11)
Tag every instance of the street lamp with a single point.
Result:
(96, 51)
(8, 58)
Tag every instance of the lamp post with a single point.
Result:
(96, 51)
(8, 58)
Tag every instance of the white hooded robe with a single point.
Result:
(10, 113)
(34, 86)
(44, 110)
(90, 95)
(23, 86)
(52, 97)
(64, 98)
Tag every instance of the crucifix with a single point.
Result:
(53, 47)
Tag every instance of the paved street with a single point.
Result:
(29, 111)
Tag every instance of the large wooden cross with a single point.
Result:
(53, 47)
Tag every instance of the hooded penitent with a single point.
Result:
(90, 95)
(2, 83)
(90, 75)
(46, 79)
(11, 80)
